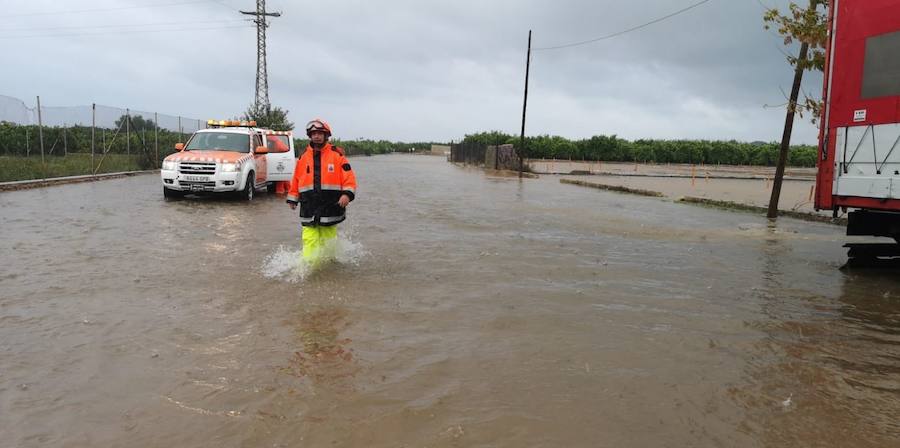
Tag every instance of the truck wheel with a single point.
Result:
(270, 187)
(247, 193)
(172, 194)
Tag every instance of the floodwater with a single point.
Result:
(465, 310)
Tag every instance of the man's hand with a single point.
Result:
(344, 200)
(293, 205)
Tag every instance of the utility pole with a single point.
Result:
(261, 104)
(786, 136)
(521, 151)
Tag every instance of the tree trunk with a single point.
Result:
(786, 137)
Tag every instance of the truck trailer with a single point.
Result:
(859, 138)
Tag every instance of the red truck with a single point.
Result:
(859, 138)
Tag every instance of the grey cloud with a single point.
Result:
(435, 70)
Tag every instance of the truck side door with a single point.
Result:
(280, 158)
(260, 159)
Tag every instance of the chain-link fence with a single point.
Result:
(51, 141)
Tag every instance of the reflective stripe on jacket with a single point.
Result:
(320, 178)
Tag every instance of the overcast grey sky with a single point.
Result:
(416, 69)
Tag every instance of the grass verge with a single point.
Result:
(615, 188)
(13, 168)
(728, 205)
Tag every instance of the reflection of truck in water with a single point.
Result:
(229, 156)
(859, 149)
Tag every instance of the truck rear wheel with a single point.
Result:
(270, 187)
(247, 193)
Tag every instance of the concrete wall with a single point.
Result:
(440, 150)
(502, 157)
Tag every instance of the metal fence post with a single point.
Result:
(127, 131)
(65, 140)
(41, 134)
(156, 138)
(93, 131)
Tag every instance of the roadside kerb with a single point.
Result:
(757, 209)
(37, 183)
(726, 205)
(678, 176)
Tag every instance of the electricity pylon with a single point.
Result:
(262, 78)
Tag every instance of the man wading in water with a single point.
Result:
(323, 185)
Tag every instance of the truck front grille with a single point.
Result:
(204, 168)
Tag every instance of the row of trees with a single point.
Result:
(275, 118)
(369, 147)
(17, 140)
(614, 149)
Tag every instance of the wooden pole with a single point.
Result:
(788, 127)
(521, 151)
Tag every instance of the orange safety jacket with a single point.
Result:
(320, 178)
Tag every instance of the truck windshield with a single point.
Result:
(221, 141)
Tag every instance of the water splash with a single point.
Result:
(286, 263)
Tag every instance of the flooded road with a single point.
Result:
(466, 311)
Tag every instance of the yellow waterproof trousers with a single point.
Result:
(319, 244)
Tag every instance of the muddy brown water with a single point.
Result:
(467, 311)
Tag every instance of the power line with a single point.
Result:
(117, 8)
(2, 30)
(169, 30)
(619, 33)
(225, 5)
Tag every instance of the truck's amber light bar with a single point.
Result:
(230, 123)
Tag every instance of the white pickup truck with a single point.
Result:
(229, 156)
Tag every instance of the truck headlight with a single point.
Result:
(169, 165)
(229, 167)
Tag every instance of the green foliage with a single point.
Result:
(63, 146)
(14, 168)
(615, 149)
(368, 147)
(490, 138)
(274, 118)
(810, 26)
(138, 123)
